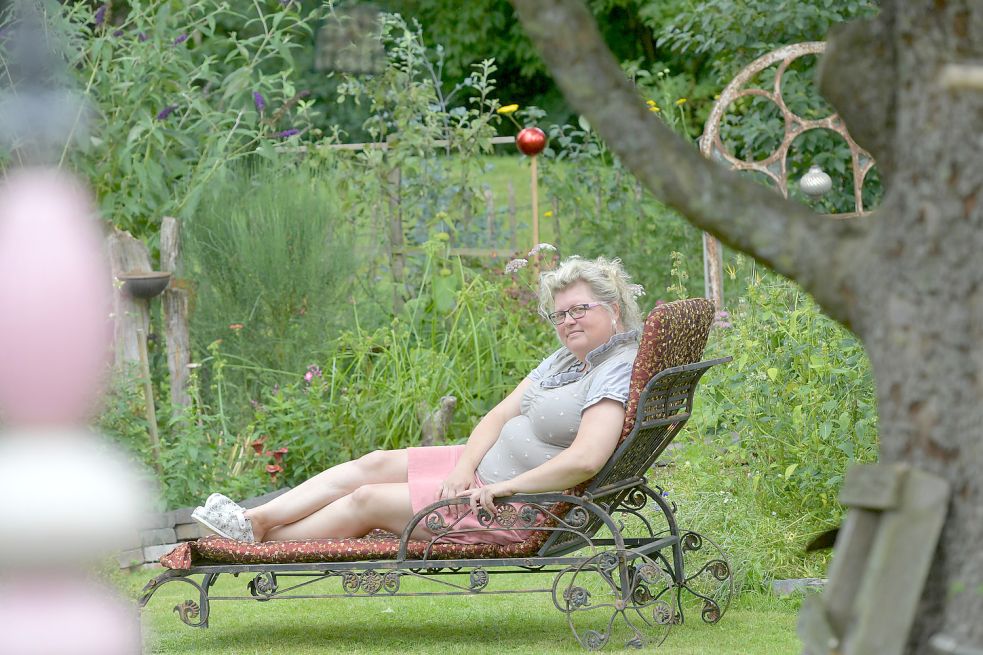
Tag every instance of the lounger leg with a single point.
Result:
(192, 613)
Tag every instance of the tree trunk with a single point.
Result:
(907, 279)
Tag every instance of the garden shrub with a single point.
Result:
(774, 430)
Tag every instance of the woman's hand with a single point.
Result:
(485, 496)
(456, 484)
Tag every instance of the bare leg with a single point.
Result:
(385, 506)
(381, 466)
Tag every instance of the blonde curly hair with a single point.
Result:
(608, 282)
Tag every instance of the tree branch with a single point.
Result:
(787, 236)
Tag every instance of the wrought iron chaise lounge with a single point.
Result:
(612, 546)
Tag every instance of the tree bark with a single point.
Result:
(908, 279)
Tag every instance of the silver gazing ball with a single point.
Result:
(815, 182)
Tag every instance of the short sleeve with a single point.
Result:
(540, 371)
(609, 382)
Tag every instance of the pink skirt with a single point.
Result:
(426, 470)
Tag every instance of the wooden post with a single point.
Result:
(175, 305)
(713, 265)
(556, 223)
(534, 174)
(148, 398)
(512, 218)
(490, 217)
(881, 559)
(130, 315)
(397, 256)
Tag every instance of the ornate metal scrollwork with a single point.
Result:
(390, 582)
(263, 586)
(692, 541)
(576, 597)
(506, 515)
(709, 581)
(192, 613)
(350, 582)
(607, 561)
(530, 515)
(485, 517)
(479, 579)
(594, 640)
(577, 518)
(188, 611)
(371, 582)
(662, 613)
(601, 590)
(719, 569)
(635, 499)
(435, 522)
(711, 611)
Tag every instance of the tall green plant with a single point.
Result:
(270, 259)
(164, 117)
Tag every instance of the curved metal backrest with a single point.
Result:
(673, 336)
(664, 407)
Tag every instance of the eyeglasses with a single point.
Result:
(577, 311)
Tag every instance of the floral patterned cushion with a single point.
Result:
(374, 546)
(674, 334)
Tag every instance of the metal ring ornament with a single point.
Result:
(774, 166)
(608, 596)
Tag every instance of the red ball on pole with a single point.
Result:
(531, 141)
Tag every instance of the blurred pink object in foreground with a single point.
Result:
(65, 616)
(55, 290)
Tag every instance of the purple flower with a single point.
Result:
(101, 14)
(288, 133)
(180, 39)
(260, 102)
(165, 112)
(118, 33)
(142, 36)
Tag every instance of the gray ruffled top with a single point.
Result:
(550, 410)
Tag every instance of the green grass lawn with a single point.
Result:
(528, 623)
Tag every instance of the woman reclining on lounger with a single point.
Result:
(556, 429)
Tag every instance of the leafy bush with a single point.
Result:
(167, 114)
(376, 386)
(270, 259)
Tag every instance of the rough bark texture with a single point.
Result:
(127, 254)
(175, 304)
(907, 280)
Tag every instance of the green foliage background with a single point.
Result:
(304, 336)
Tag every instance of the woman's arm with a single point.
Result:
(600, 429)
(482, 438)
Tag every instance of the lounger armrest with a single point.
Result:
(533, 509)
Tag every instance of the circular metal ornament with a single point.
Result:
(608, 598)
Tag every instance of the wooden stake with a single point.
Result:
(535, 201)
(148, 398)
(535, 211)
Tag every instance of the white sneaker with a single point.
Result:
(225, 518)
